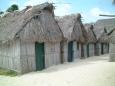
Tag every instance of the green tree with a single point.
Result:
(13, 8)
(1, 12)
(113, 1)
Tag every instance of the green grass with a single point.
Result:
(7, 72)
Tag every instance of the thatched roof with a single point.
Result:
(35, 23)
(99, 26)
(111, 35)
(72, 28)
(90, 33)
(104, 38)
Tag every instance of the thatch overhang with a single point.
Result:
(36, 23)
(104, 38)
(90, 33)
(73, 28)
(111, 35)
(99, 26)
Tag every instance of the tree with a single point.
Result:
(12, 8)
(1, 12)
(113, 1)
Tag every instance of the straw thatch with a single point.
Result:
(90, 33)
(111, 36)
(104, 38)
(99, 26)
(73, 28)
(35, 23)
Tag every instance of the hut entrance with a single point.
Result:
(87, 50)
(70, 51)
(95, 49)
(40, 57)
(102, 48)
(82, 51)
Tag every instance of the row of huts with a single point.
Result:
(33, 39)
(109, 24)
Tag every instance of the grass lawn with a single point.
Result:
(7, 72)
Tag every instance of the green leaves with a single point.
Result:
(12, 8)
(1, 12)
(114, 2)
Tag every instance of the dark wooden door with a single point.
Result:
(87, 50)
(102, 48)
(82, 51)
(40, 57)
(95, 49)
(70, 51)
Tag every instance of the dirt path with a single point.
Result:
(94, 71)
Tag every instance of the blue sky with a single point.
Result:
(89, 9)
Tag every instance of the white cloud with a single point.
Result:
(62, 8)
(93, 15)
(97, 11)
(35, 2)
(13, 2)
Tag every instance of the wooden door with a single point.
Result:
(40, 56)
(82, 51)
(87, 50)
(102, 48)
(70, 51)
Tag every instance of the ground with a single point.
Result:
(94, 71)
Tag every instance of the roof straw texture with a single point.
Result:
(36, 23)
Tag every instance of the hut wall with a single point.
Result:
(91, 49)
(10, 55)
(112, 52)
(105, 46)
(52, 54)
(98, 47)
(75, 50)
(27, 51)
(65, 52)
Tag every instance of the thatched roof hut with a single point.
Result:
(99, 26)
(90, 33)
(31, 24)
(73, 28)
(74, 34)
(91, 42)
(104, 41)
(30, 39)
(104, 38)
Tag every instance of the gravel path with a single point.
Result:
(94, 71)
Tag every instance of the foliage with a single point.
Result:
(7, 72)
(13, 8)
(1, 12)
(114, 2)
